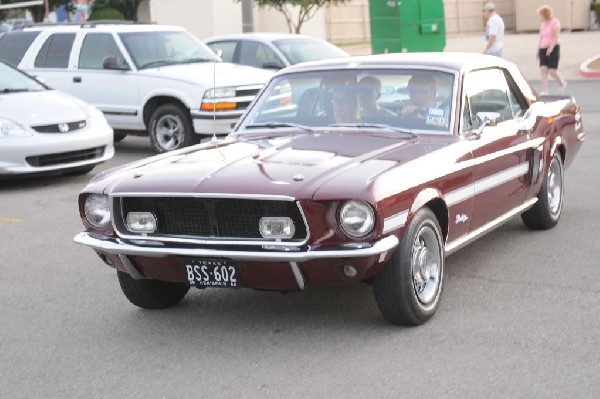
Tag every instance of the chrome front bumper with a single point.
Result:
(119, 247)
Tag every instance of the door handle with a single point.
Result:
(77, 79)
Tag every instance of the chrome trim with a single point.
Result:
(249, 87)
(486, 228)
(120, 247)
(395, 221)
(146, 194)
(297, 275)
(131, 269)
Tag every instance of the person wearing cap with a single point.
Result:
(494, 30)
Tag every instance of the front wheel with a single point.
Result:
(171, 128)
(409, 287)
(546, 211)
(151, 294)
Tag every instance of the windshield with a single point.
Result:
(306, 49)
(410, 100)
(155, 49)
(13, 80)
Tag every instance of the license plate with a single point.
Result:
(208, 272)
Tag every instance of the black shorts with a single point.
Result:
(550, 61)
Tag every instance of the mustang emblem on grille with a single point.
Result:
(63, 127)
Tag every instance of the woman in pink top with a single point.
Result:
(549, 48)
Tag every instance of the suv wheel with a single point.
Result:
(171, 128)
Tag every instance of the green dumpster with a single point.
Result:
(399, 26)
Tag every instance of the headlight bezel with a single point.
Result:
(16, 129)
(97, 210)
(356, 206)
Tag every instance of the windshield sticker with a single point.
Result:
(436, 112)
(435, 121)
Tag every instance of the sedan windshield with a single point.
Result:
(155, 49)
(15, 81)
(307, 49)
(399, 100)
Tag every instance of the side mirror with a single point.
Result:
(273, 65)
(486, 119)
(115, 63)
(219, 53)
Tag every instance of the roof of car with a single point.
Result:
(104, 27)
(447, 60)
(261, 36)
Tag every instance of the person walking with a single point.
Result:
(548, 52)
(494, 30)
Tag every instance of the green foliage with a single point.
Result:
(306, 10)
(106, 13)
(596, 6)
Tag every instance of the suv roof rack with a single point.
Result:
(88, 24)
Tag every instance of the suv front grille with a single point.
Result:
(212, 218)
(65, 157)
(60, 127)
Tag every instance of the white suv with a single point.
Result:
(154, 78)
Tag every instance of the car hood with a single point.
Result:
(42, 108)
(304, 166)
(219, 74)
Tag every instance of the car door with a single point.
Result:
(228, 50)
(259, 55)
(51, 63)
(113, 91)
(501, 151)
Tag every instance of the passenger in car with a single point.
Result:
(369, 89)
(345, 105)
(422, 97)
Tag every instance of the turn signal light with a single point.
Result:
(217, 106)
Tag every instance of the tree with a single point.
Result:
(306, 10)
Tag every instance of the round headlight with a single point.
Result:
(357, 218)
(97, 211)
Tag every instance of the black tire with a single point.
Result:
(119, 135)
(546, 211)
(171, 128)
(151, 294)
(409, 287)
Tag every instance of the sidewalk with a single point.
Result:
(521, 48)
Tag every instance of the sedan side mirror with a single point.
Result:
(486, 119)
(273, 65)
(114, 62)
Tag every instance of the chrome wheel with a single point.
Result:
(426, 265)
(169, 132)
(555, 187)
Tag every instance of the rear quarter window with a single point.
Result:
(14, 45)
(56, 51)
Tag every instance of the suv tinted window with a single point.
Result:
(55, 51)
(95, 48)
(14, 45)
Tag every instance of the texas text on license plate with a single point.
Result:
(211, 272)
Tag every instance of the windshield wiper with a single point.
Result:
(159, 63)
(275, 125)
(375, 126)
(193, 60)
(9, 90)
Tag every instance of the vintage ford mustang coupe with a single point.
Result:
(363, 169)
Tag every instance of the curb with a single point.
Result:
(585, 71)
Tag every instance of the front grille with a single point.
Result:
(245, 92)
(57, 127)
(65, 157)
(212, 218)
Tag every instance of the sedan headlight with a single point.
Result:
(357, 218)
(221, 92)
(10, 128)
(97, 210)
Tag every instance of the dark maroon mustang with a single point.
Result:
(363, 169)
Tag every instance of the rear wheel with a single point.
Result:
(151, 294)
(409, 287)
(546, 211)
(171, 128)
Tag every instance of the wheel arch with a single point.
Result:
(433, 199)
(153, 103)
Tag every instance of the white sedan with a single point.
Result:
(46, 131)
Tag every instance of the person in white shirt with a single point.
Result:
(494, 30)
